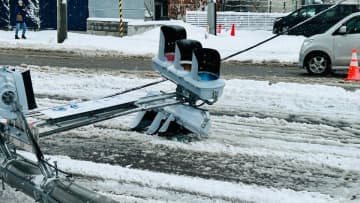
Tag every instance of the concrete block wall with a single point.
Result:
(104, 17)
(110, 27)
(105, 27)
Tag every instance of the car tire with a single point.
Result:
(275, 30)
(318, 64)
(285, 29)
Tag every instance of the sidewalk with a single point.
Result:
(146, 44)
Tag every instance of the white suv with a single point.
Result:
(323, 53)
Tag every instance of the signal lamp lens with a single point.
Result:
(170, 56)
(206, 76)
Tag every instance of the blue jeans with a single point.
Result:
(23, 25)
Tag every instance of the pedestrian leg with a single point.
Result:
(23, 30)
(17, 30)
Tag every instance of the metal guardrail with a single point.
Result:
(241, 20)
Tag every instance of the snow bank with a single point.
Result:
(147, 43)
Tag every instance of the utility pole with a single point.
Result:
(62, 24)
(211, 13)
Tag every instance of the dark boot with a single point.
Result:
(23, 36)
(17, 37)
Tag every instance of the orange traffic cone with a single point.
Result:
(232, 30)
(353, 73)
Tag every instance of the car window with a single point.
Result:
(327, 18)
(311, 12)
(304, 12)
(295, 14)
(346, 10)
(330, 13)
(353, 25)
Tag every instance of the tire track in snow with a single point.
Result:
(130, 149)
(263, 150)
(279, 129)
(290, 117)
(218, 110)
(134, 191)
(255, 148)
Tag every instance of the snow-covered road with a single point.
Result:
(270, 142)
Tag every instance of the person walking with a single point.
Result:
(21, 13)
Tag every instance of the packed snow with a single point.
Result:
(306, 125)
(327, 102)
(316, 101)
(210, 188)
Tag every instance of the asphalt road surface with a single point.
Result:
(273, 72)
(63, 59)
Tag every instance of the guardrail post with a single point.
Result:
(121, 24)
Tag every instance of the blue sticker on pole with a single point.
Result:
(74, 106)
(60, 108)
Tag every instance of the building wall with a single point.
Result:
(284, 6)
(178, 8)
(110, 9)
(103, 9)
(290, 5)
(77, 14)
(134, 9)
(42, 14)
(4, 13)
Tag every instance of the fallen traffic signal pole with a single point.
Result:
(194, 70)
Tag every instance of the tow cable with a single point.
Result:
(281, 33)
